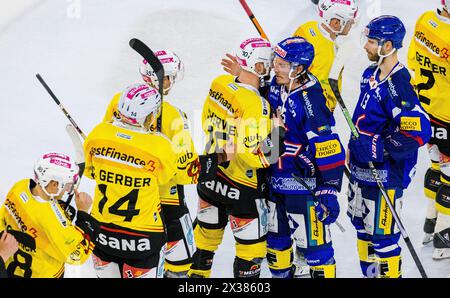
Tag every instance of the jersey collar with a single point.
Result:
(374, 82)
(311, 82)
(118, 123)
(249, 87)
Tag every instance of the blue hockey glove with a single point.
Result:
(327, 206)
(304, 163)
(367, 148)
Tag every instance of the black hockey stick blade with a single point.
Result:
(151, 58)
(156, 65)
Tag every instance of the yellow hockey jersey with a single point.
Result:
(175, 126)
(128, 167)
(56, 240)
(324, 54)
(429, 58)
(234, 111)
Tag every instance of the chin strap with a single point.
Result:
(291, 82)
(382, 58)
(49, 194)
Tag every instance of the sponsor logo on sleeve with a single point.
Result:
(410, 123)
(328, 148)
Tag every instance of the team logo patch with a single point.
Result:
(410, 123)
(328, 148)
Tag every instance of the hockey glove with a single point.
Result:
(326, 204)
(367, 148)
(304, 163)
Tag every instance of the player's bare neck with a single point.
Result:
(387, 65)
(249, 79)
(332, 35)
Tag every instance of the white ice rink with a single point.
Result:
(81, 48)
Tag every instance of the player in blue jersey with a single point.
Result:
(314, 154)
(392, 126)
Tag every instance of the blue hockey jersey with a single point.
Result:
(309, 128)
(390, 108)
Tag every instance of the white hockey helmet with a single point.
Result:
(253, 51)
(343, 10)
(173, 68)
(137, 102)
(57, 167)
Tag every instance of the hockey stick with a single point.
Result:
(72, 130)
(355, 133)
(146, 53)
(253, 19)
(305, 185)
(41, 80)
(79, 158)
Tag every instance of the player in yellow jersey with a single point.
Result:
(129, 164)
(128, 172)
(175, 125)
(338, 17)
(429, 58)
(32, 207)
(235, 110)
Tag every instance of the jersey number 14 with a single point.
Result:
(131, 198)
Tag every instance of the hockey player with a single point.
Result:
(428, 57)
(313, 153)
(175, 125)
(338, 17)
(129, 164)
(392, 126)
(32, 207)
(235, 110)
(328, 38)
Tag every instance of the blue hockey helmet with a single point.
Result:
(296, 50)
(386, 28)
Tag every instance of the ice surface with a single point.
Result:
(83, 53)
